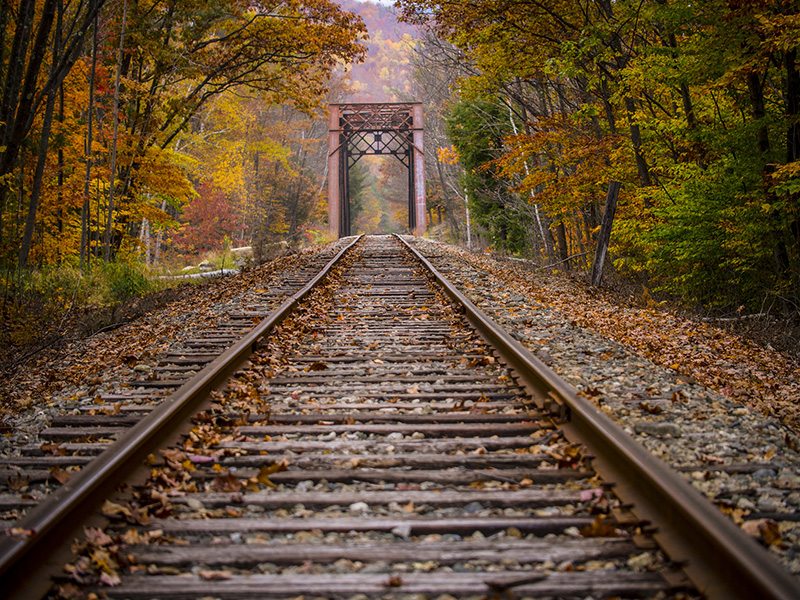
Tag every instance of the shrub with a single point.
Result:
(125, 280)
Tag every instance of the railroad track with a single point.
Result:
(68, 442)
(377, 439)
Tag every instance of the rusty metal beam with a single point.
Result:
(375, 129)
(418, 150)
(334, 161)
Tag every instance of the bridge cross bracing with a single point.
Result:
(375, 129)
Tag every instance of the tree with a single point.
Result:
(692, 106)
(113, 87)
(22, 92)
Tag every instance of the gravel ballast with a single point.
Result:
(746, 462)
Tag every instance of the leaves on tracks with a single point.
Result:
(766, 531)
(600, 527)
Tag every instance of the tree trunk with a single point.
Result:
(113, 168)
(159, 236)
(11, 85)
(792, 106)
(756, 90)
(686, 97)
(469, 220)
(16, 61)
(605, 98)
(636, 138)
(85, 219)
(4, 10)
(563, 250)
(144, 240)
(47, 123)
(21, 106)
(60, 159)
(604, 236)
(793, 139)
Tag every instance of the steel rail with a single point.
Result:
(27, 558)
(721, 560)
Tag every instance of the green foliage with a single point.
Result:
(125, 281)
(477, 129)
(700, 244)
(39, 301)
(62, 287)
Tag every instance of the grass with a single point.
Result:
(37, 305)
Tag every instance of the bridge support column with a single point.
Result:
(334, 171)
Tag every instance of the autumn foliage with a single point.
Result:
(115, 113)
(693, 106)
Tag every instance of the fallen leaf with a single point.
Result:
(266, 471)
(70, 591)
(132, 537)
(104, 561)
(60, 475)
(116, 511)
(589, 495)
(598, 528)
(173, 456)
(110, 579)
(653, 409)
(198, 459)
(765, 530)
(227, 483)
(19, 532)
(17, 482)
(53, 449)
(736, 514)
(394, 581)
(97, 537)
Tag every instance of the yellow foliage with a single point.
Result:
(161, 174)
(448, 155)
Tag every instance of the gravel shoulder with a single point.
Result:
(715, 406)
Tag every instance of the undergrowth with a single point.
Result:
(37, 304)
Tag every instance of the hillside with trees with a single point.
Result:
(385, 75)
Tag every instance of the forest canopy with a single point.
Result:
(693, 106)
(116, 114)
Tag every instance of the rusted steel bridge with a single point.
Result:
(386, 129)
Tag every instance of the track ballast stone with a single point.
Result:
(745, 462)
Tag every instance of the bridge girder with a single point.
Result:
(375, 129)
